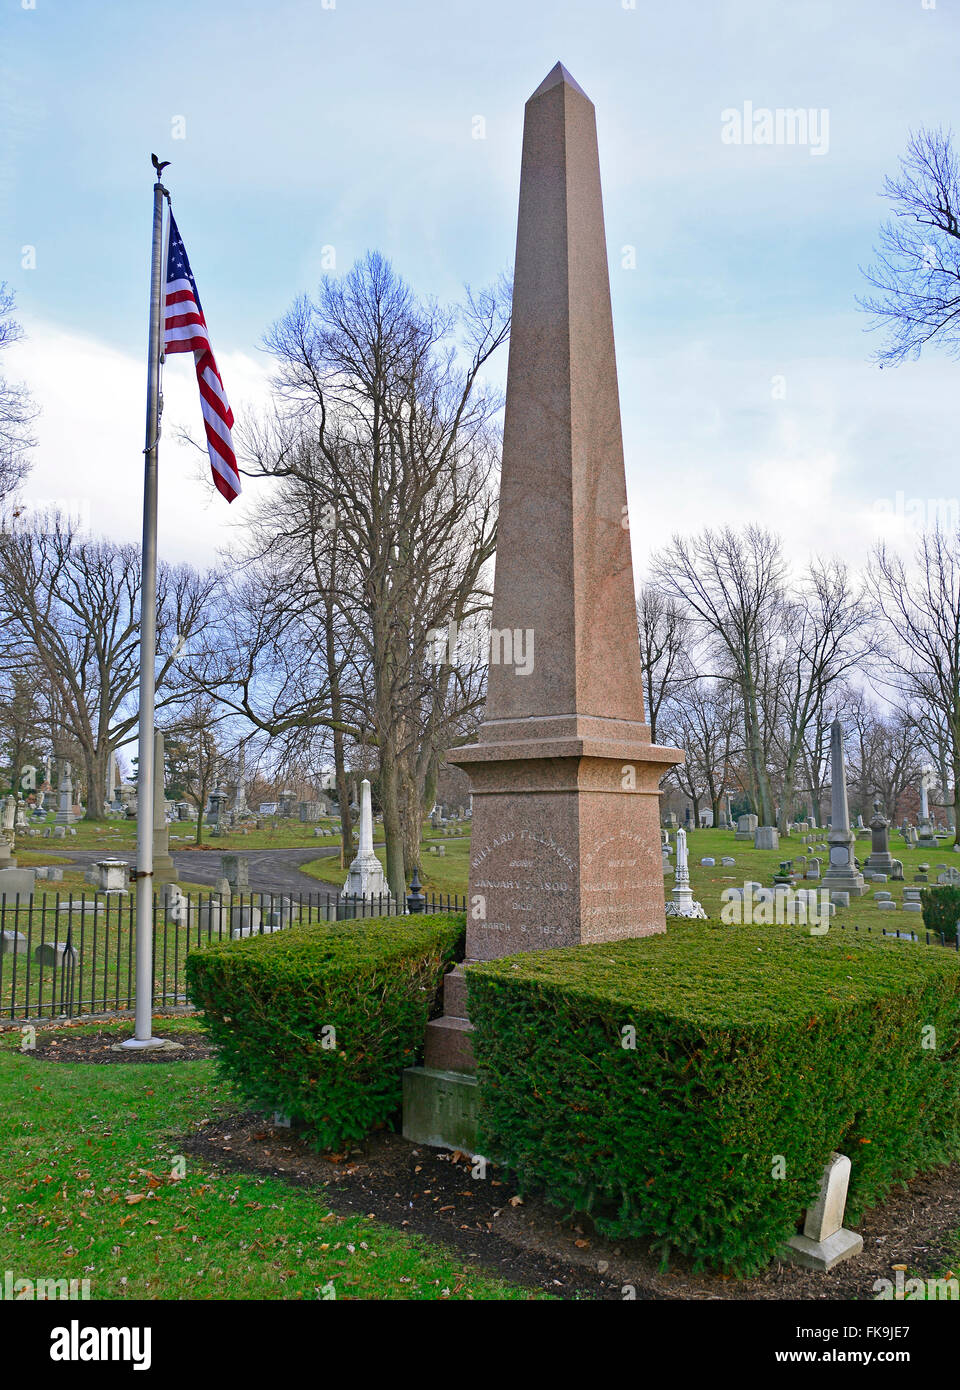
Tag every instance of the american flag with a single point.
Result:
(185, 330)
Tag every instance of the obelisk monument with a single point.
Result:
(365, 878)
(842, 874)
(565, 844)
(565, 837)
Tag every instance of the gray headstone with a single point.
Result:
(14, 883)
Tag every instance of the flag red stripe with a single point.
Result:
(185, 330)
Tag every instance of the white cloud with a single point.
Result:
(89, 458)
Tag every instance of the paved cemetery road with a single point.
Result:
(271, 870)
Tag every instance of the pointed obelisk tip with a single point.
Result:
(557, 75)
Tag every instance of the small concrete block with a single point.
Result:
(886, 906)
(707, 863)
(840, 899)
(728, 861)
(822, 1255)
(883, 897)
(440, 1108)
(912, 907)
(13, 943)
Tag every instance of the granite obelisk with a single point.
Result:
(565, 838)
(565, 844)
(842, 874)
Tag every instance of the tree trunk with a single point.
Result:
(343, 798)
(392, 820)
(412, 820)
(95, 771)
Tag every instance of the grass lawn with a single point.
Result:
(760, 866)
(111, 835)
(89, 1189)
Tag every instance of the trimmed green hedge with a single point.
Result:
(941, 910)
(270, 1003)
(758, 1051)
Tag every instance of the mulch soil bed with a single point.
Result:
(528, 1242)
(96, 1047)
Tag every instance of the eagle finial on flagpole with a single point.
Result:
(159, 165)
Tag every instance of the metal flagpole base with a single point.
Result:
(166, 1043)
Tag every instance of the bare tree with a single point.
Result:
(664, 636)
(884, 753)
(921, 605)
(731, 584)
(17, 410)
(825, 634)
(701, 717)
(192, 752)
(70, 607)
(917, 271)
(384, 426)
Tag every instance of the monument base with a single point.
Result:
(565, 845)
(851, 883)
(440, 1108)
(822, 1255)
(164, 869)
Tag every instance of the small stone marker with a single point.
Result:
(707, 863)
(175, 905)
(55, 953)
(746, 827)
(14, 884)
(824, 1242)
(235, 869)
(111, 875)
(840, 899)
(766, 837)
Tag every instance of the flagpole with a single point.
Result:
(148, 646)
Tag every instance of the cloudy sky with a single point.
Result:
(301, 128)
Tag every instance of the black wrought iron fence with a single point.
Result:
(62, 957)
